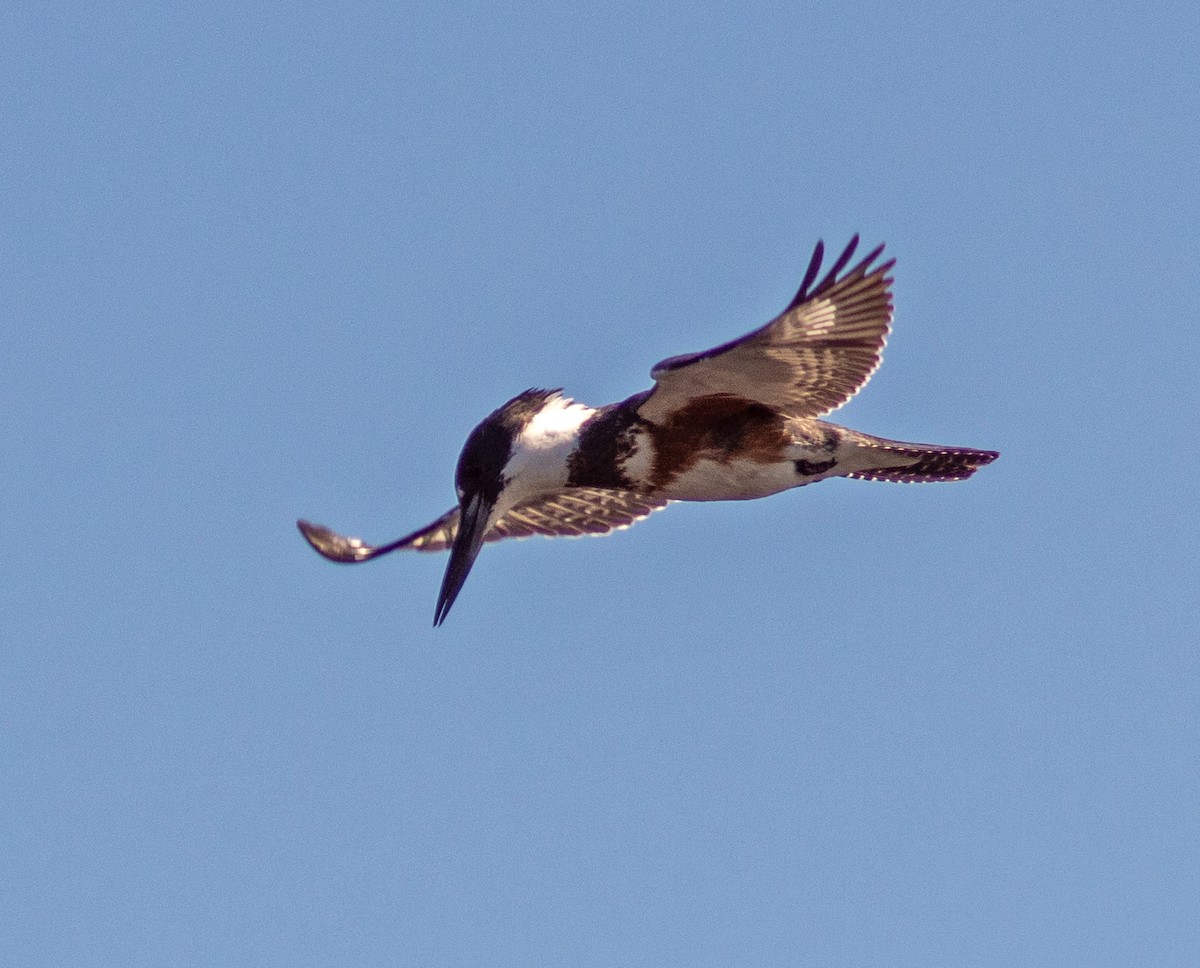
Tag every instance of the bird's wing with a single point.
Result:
(809, 360)
(576, 511)
(347, 551)
(572, 512)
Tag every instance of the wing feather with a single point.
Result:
(807, 361)
(346, 550)
(572, 513)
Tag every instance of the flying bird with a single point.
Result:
(733, 423)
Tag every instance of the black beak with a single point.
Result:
(472, 526)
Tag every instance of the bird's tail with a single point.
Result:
(879, 459)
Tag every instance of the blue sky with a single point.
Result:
(263, 261)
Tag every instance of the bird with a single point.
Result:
(736, 422)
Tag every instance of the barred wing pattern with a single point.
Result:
(573, 512)
(576, 511)
(806, 362)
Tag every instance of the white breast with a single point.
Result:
(538, 463)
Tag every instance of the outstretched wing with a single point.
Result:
(346, 550)
(576, 511)
(573, 512)
(809, 360)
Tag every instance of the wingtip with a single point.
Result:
(307, 528)
(807, 290)
(814, 266)
(331, 545)
(874, 254)
(842, 261)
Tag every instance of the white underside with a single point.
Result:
(709, 480)
(745, 480)
(540, 459)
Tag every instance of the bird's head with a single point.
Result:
(516, 453)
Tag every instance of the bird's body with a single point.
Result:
(737, 422)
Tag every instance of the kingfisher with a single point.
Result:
(732, 423)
